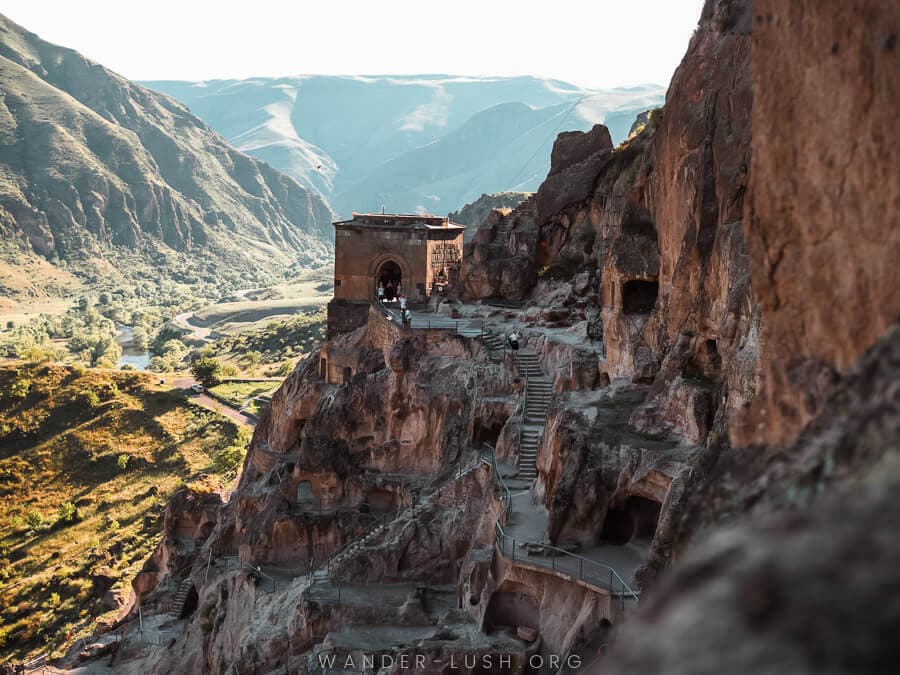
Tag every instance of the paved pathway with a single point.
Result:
(528, 523)
(207, 401)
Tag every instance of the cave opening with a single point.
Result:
(705, 363)
(513, 605)
(305, 492)
(382, 501)
(637, 519)
(639, 296)
(486, 433)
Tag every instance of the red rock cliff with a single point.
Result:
(823, 213)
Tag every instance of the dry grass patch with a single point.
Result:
(88, 459)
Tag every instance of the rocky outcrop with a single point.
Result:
(823, 200)
(592, 461)
(794, 580)
(789, 590)
(94, 162)
(473, 214)
(501, 256)
(574, 163)
(188, 520)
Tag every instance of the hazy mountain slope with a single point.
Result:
(90, 162)
(361, 141)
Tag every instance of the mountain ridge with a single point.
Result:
(92, 162)
(341, 135)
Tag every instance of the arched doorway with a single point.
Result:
(390, 277)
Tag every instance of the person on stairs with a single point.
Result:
(402, 303)
(513, 340)
(380, 291)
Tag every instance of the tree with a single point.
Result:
(10, 325)
(140, 339)
(207, 370)
(84, 303)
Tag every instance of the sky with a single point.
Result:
(590, 43)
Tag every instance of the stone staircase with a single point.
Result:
(181, 595)
(500, 242)
(503, 303)
(538, 393)
(494, 342)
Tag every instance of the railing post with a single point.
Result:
(581, 569)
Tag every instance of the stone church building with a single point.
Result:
(416, 251)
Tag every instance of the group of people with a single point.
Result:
(389, 293)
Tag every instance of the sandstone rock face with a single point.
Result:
(592, 460)
(475, 213)
(688, 200)
(824, 204)
(501, 264)
(188, 520)
(781, 590)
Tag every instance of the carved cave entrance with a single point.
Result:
(639, 297)
(512, 605)
(380, 500)
(636, 520)
(487, 433)
(390, 276)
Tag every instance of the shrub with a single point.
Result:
(228, 460)
(67, 512)
(20, 387)
(35, 519)
(122, 461)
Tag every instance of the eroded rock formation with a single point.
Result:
(648, 278)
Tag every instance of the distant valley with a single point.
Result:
(429, 143)
(119, 186)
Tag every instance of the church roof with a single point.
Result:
(404, 221)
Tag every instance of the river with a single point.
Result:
(139, 360)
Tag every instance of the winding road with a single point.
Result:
(207, 401)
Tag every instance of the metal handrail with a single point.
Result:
(506, 499)
(391, 315)
(460, 473)
(524, 402)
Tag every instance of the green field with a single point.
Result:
(238, 392)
